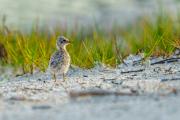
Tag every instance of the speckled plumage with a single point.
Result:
(60, 60)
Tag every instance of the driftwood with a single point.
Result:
(167, 79)
(169, 60)
(41, 107)
(76, 94)
(131, 71)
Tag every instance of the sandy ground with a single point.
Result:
(134, 90)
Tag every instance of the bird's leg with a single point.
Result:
(54, 76)
(64, 78)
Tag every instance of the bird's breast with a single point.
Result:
(66, 62)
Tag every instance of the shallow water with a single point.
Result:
(22, 14)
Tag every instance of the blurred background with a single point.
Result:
(101, 31)
(23, 13)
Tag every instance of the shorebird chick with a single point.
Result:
(60, 60)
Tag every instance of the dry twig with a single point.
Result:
(75, 94)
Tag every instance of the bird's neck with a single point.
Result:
(63, 48)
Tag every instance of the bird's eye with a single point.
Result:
(64, 40)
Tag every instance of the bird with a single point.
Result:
(59, 62)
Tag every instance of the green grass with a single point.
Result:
(91, 45)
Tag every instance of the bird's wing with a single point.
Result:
(56, 59)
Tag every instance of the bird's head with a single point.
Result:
(62, 42)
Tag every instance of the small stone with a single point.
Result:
(85, 75)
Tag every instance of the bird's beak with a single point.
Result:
(68, 42)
